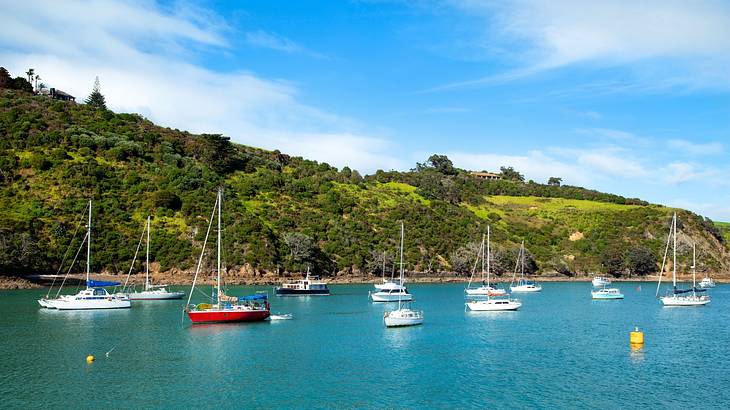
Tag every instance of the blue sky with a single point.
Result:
(622, 96)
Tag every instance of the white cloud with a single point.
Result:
(145, 58)
(692, 38)
(691, 148)
(272, 41)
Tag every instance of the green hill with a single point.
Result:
(283, 213)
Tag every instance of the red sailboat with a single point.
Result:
(225, 309)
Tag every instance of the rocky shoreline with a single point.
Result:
(184, 278)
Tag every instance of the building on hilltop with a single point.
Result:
(486, 175)
(60, 95)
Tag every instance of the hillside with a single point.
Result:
(283, 213)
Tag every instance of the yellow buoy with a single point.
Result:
(636, 337)
(89, 359)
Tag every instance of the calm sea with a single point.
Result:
(561, 350)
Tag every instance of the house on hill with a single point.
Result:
(60, 95)
(490, 176)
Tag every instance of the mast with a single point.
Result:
(400, 292)
(482, 251)
(147, 264)
(488, 256)
(220, 199)
(88, 248)
(522, 260)
(694, 269)
(674, 253)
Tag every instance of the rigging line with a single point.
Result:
(205, 242)
(65, 255)
(136, 252)
(81, 246)
(476, 261)
(664, 260)
(517, 263)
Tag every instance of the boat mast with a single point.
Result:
(674, 253)
(482, 252)
(694, 269)
(88, 247)
(400, 292)
(220, 199)
(147, 264)
(488, 254)
(522, 261)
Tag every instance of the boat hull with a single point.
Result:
(525, 289)
(302, 292)
(597, 296)
(493, 306)
(681, 301)
(391, 297)
(227, 316)
(144, 295)
(403, 318)
(71, 304)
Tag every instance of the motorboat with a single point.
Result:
(494, 305)
(707, 283)
(309, 286)
(600, 281)
(607, 294)
(391, 292)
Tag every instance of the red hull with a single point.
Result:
(227, 316)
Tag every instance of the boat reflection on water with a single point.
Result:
(636, 353)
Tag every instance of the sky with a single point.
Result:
(626, 97)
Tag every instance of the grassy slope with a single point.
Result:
(55, 155)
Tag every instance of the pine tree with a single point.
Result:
(5, 80)
(96, 99)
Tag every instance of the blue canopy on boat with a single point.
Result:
(259, 296)
(100, 283)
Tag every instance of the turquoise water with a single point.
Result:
(560, 350)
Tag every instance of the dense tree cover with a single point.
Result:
(281, 213)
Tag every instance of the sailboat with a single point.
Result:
(404, 315)
(486, 288)
(94, 296)
(388, 284)
(151, 292)
(225, 309)
(525, 286)
(491, 304)
(680, 297)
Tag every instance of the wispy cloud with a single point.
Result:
(275, 42)
(692, 38)
(142, 53)
(691, 148)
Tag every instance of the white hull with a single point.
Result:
(525, 288)
(678, 301)
(155, 295)
(390, 297)
(485, 291)
(112, 303)
(707, 283)
(599, 282)
(388, 285)
(44, 303)
(603, 295)
(403, 317)
(494, 305)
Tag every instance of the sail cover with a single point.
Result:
(680, 291)
(252, 297)
(100, 283)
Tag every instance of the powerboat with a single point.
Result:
(494, 305)
(391, 292)
(309, 286)
(600, 281)
(607, 294)
(707, 283)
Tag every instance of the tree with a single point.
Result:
(641, 260)
(302, 248)
(20, 83)
(612, 262)
(96, 99)
(30, 74)
(511, 174)
(555, 181)
(439, 163)
(462, 259)
(5, 80)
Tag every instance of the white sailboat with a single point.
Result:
(404, 315)
(523, 286)
(490, 304)
(391, 290)
(94, 296)
(150, 292)
(486, 288)
(680, 297)
(388, 284)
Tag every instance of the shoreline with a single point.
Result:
(12, 282)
